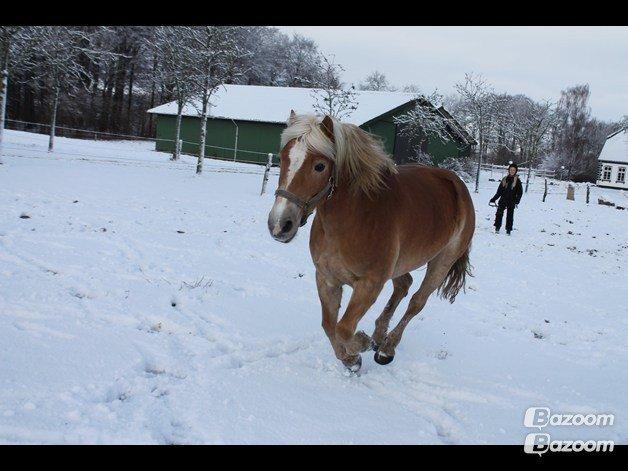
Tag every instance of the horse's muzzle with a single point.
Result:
(284, 221)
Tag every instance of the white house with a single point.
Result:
(613, 161)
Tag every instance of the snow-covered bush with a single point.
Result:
(460, 166)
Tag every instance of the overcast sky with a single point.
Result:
(537, 61)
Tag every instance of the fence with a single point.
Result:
(186, 147)
(499, 171)
(269, 160)
(94, 147)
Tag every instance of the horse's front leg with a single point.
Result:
(330, 295)
(365, 292)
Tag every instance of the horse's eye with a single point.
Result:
(319, 167)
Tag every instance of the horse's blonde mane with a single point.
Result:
(359, 157)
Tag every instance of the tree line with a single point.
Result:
(105, 78)
(559, 135)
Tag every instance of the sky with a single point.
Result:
(536, 61)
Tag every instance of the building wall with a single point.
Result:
(263, 138)
(612, 182)
(385, 130)
(440, 150)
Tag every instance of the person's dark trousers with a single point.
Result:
(510, 216)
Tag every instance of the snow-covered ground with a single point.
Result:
(140, 303)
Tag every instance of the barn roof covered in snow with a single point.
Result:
(273, 104)
(616, 147)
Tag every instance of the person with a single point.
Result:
(509, 193)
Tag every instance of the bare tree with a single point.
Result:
(376, 81)
(412, 88)
(570, 136)
(174, 62)
(423, 122)
(533, 122)
(332, 97)
(8, 37)
(302, 65)
(214, 54)
(478, 104)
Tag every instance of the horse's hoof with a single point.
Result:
(382, 358)
(355, 366)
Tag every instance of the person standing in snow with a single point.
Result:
(509, 193)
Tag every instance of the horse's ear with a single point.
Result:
(292, 117)
(327, 126)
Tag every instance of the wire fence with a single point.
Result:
(161, 144)
(499, 171)
(94, 144)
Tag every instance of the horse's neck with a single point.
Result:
(336, 211)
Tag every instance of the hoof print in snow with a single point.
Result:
(75, 201)
(442, 355)
(538, 335)
(24, 216)
(180, 232)
(103, 229)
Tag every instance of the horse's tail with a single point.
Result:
(456, 278)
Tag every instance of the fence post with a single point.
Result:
(266, 172)
(545, 192)
(588, 191)
(570, 192)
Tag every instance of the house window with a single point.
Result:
(606, 173)
(621, 175)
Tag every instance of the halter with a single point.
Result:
(309, 205)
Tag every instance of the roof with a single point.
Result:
(616, 147)
(273, 104)
(457, 128)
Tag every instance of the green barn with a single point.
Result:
(246, 121)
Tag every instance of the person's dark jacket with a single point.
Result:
(509, 191)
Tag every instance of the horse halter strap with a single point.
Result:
(309, 205)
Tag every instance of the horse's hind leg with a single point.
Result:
(435, 274)
(401, 286)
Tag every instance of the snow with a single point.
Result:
(615, 148)
(269, 104)
(116, 328)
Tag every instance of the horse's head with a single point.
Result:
(305, 174)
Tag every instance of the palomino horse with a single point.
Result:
(374, 222)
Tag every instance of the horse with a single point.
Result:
(375, 221)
